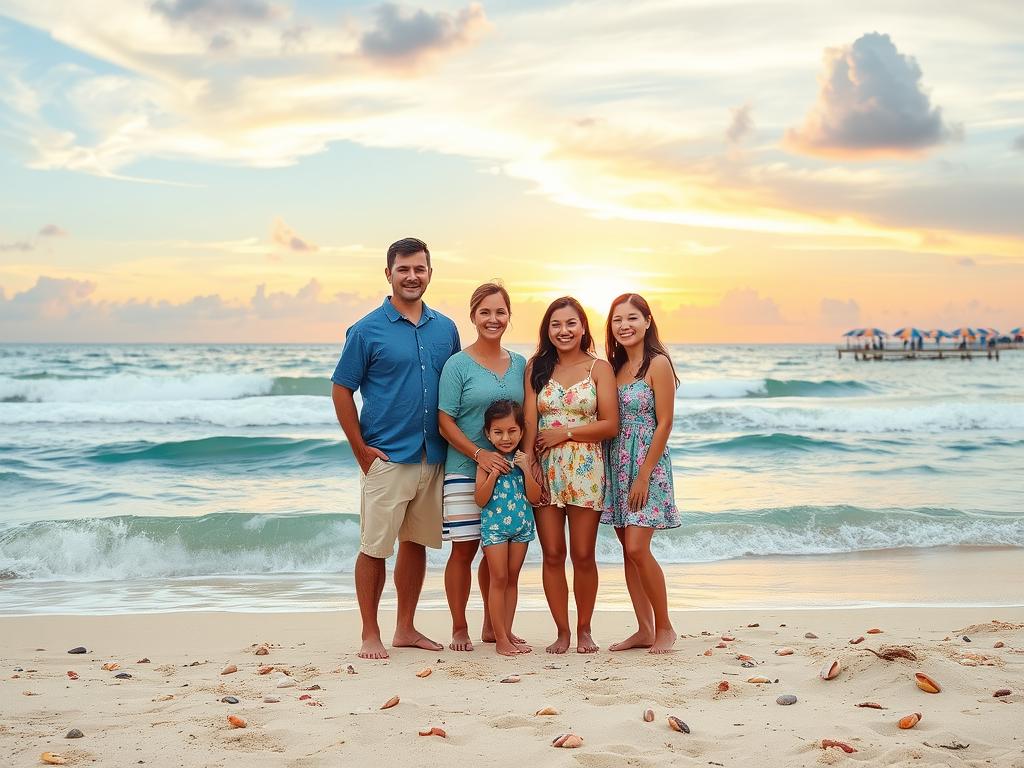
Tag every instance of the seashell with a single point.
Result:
(305, 697)
(786, 699)
(78, 649)
(728, 638)
(313, 687)
(999, 644)
(390, 702)
(830, 670)
(510, 679)
(546, 711)
(123, 676)
(433, 732)
(236, 721)
(268, 699)
(262, 651)
(229, 669)
(856, 640)
(909, 721)
(229, 700)
(758, 680)
(874, 631)
(826, 743)
(722, 645)
(753, 625)
(567, 741)
(748, 665)
(784, 651)
(1002, 692)
(264, 670)
(678, 725)
(869, 705)
(744, 657)
(927, 684)
(144, 660)
(425, 672)
(53, 758)
(72, 675)
(723, 686)
(165, 697)
(648, 715)
(110, 666)
(351, 670)
(810, 636)
(286, 682)
(74, 733)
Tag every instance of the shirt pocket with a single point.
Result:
(439, 352)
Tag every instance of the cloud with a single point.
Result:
(17, 245)
(52, 230)
(287, 237)
(1018, 143)
(64, 309)
(741, 126)
(203, 13)
(838, 313)
(966, 261)
(738, 307)
(871, 103)
(407, 37)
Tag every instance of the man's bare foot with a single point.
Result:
(487, 636)
(460, 641)
(506, 648)
(414, 639)
(639, 639)
(372, 648)
(561, 645)
(584, 642)
(663, 641)
(523, 647)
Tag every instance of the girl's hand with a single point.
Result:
(522, 461)
(549, 438)
(639, 492)
(491, 462)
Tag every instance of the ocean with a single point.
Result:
(215, 477)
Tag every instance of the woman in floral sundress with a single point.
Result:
(641, 498)
(570, 409)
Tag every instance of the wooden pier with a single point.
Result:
(928, 353)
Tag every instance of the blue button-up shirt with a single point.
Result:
(396, 367)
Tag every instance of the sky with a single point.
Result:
(777, 171)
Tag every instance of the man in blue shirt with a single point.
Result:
(394, 357)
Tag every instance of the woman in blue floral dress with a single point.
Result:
(640, 497)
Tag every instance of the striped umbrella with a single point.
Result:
(872, 332)
(963, 331)
(1019, 330)
(854, 332)
(909, 333)
(938, 333)
(988, 332)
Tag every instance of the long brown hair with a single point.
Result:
(653, 346)
(546, 356)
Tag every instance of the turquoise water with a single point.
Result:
(123, 466)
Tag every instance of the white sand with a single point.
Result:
(600, 697)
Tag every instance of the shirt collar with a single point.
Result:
(394, 315)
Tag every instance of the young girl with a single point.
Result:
(641, 499)
(506, 519)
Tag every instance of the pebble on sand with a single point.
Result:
(567, 741)
(723, 686)
(237, 722)
(229, 700)
(74, 733)
(268, 699)
(390, 702)
(909, 721)
(144, 660)
(425, 672)
(856, 640)
(810, 636)
(869, 705)
(784, 651)
(262, 651)
(72, 675)
(351, 670)
(78, 649)
(229, 669)
(677, 725)
(110, 666)
(786, 699)
(123, 676)
(1002, 692)
(264, 670)
(510, 679)
(286, 682)
(758, 680)
(648, 715)
(546, 711)
(999, 644)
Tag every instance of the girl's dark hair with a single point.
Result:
(546, 356)
(499, 409)
(653, 346)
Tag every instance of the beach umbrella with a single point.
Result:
(1017, 331)
(964, 331)
(854, 332)
(909, 333)
(872, 332)
(988, 332)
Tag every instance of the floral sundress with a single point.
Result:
(626, 452)
(574, 471)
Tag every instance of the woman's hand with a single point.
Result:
(549, 438)
(639, 492)
(490, 461)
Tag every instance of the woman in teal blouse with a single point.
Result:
(471, 380)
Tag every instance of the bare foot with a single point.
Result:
(663, 641)
(372, 648)
(523, 647)
(584, 642)
(639, 639)
(460, 641)
(561, 645)
(487, 636)
(414, 639)
(506, 648)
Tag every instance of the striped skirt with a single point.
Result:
(460, 514)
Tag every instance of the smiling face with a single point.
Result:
(505, 433)
(491, 317)
(409, 277)
(628, 324)
(565, 330)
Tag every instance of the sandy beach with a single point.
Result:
(170, 713)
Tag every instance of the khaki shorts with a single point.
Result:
(399, 502)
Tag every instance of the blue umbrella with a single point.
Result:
(908, 333)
